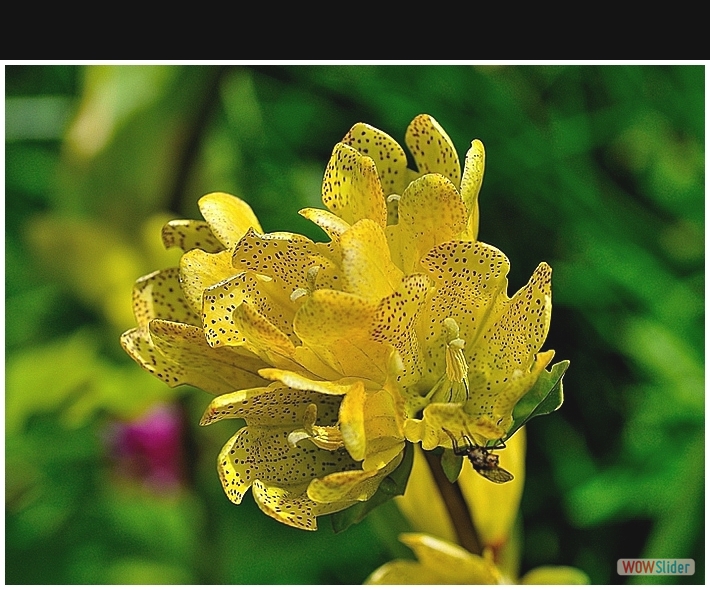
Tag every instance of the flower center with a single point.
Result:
(328, 438)
(311, 274)
(452, 387)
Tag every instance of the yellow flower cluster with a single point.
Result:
(334, 354)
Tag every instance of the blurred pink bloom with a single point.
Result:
(149, 449)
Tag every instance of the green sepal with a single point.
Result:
(451, 465)
(543, 398)
(392, 485)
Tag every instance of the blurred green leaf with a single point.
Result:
(451, 464)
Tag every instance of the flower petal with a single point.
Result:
(395, 321)
(431, 212)
(469, 277)
(344, 486)
(188, 234)
(367, 268)
(292, 506)
(300, 381)
(330, 223)
(263, 453)
(526, 317)
(432, 148)
(200, 270)
(275, 405)
(192, 361)
(505, 352)
(228, 217)
(262, 337)
(471, 182)
(519, 384)
(440, 562)
(337, 328)
(352, 421)
(372, 425)
(285, 259)
(158, 295)
(439, 416)
(389, 157)
(218, 304)
(138, 343)
(351, 187)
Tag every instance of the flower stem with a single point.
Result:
(456, 507)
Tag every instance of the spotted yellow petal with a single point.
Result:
(519, 383)
(200, 270)
(348, 486)
(191, 359)
(262, 337)
(188, 234)
(228, 216)
(469, 277)
(351, 187)
(367, 268)
(264, 453)
(520, 327)
(432, 148)
(438, 417)
(196, 367)
(388, 155)
(337, 328)
(395, 321)
(431, 212)
(330, 223)
(276, 405)
(158, 295)
(219, 302)
(292, 506)
(343, 486)
(505, 351)
(285, 259)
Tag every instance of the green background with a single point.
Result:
(598, 170)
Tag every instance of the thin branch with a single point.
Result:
(194, 138)
(455, 506)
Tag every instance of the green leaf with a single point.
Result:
(392, 485)
(544, 398)
(451, 464)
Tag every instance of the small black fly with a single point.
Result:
(482, 459)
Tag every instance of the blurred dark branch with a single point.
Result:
(193, 141)
(455, 506)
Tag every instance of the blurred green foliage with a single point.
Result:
(599, 170)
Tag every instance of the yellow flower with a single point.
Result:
(334, 354)
(257, 320)
(442, 562)
(468, 352)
